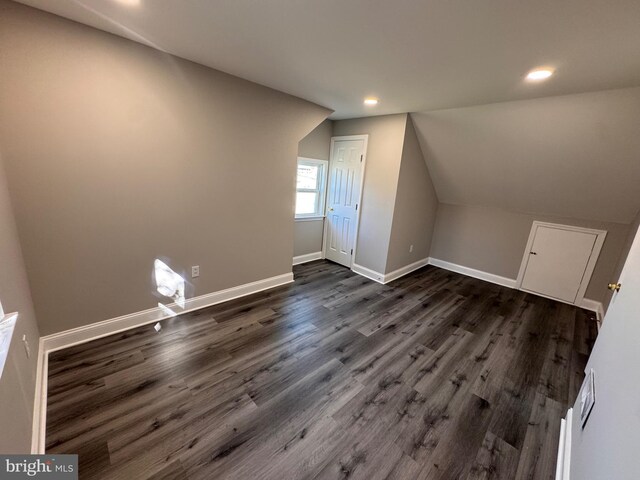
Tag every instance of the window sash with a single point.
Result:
(321, 186)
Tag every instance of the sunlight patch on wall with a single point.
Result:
(169, 283)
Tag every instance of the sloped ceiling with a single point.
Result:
(575, 156)
(415, 55)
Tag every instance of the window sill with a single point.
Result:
(310, 219)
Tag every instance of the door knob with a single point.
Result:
(614, 286)
(533, 253)
(331, 209)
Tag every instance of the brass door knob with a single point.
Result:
(614, 286)
(331, 209)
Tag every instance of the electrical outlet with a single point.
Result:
(195, 271)
(410, 248)
(26, 346)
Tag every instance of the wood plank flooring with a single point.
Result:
(434, 376)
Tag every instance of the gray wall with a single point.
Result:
(494, 240)
(415, 207)
(307, 235)
(384, 153)
(117, 154)
(572, 156)
(317, 144)
(17, 385)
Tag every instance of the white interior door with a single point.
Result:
(557, 262)
(345, 177)
(607, 446)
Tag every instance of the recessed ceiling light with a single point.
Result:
(129, 3)
(370, 101)
(539, 74)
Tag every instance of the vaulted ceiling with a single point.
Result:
(574, 156)
(415, 55)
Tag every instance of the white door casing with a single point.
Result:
(344, 196)
(559, 260)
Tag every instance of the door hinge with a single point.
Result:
(361, 157)
(356, 207)
(352, 251)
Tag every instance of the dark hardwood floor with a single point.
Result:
(434, 376)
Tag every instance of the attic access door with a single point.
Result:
(559, 260)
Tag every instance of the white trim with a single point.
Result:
(75, 336)
(321, 190)
(560, 459)
(38, 427)
(391, 276)
(365, 139)
(563, 463)
(567, 446)
(364, 136)
(401, 272)
(594, 306)
(586, 303)
(317, 218)
(591, 264)
(472, 272)
(308, 257)
(367, 272)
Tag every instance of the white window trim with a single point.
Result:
(7, 327)
(322, 188)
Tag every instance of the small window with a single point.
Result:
(7, 324)
(310, 187)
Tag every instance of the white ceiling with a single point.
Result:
(416, 55)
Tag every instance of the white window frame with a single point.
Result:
(7, 327)
(321, 190)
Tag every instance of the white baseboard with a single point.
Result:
(472, 272)
(391, 276)
(75, 336)
(563, 464)
(586, 303)
(308, 257)
(367, 272)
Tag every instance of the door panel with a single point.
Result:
(607, 447)
(344, 188)
(557, 262)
